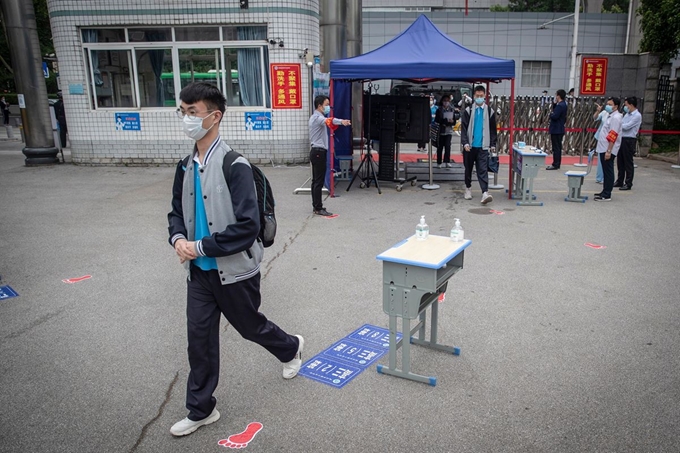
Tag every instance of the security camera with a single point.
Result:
(281, 43)
(272, 42)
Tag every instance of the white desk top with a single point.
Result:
(528, 151)
(432, 253)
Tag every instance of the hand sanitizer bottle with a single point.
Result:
(422, 230)
(457, 231)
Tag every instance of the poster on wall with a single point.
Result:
(286, 85)
(258, 121)
(593, 76)
(322, 80)
(128, 122)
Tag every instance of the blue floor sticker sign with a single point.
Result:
(376, 336)
(345, 359)
(329, 371)
(6, 292)
(354, 353)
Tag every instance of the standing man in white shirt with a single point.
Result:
(630, 125)
(608, 144)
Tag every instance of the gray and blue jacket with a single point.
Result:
(232, 213)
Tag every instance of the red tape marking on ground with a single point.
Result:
(493, 211)
(242, 439)
(331, 216)
(595, 246)
(77, 279)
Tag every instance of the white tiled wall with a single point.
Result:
(93, 136)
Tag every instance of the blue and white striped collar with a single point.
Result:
(208, 154)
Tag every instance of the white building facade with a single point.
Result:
(122, 65)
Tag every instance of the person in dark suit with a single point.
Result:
(4, 106)
(60, 114)
(558, 119)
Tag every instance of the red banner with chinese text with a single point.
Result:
(593, 76)
(286, 85)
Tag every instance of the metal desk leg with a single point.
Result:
(393, 342)
(421, 331)
(432, 343)
(406, 346)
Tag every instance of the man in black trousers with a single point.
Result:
(630, 125)
(214, 226)
(318, 155)
(558, 119)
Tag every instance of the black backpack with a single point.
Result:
(265, 198)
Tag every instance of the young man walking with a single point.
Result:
(318, 156)
(630, 125)
(608, 144)
(478, 137)
(214, 228)
(558, 119)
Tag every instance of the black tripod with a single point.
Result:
(367, 157)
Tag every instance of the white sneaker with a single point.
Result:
(186, 426)
(486, 198)
(468, 194)
(440, 165)
(449, 165)
(290, 369)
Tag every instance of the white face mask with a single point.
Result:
(193, 127)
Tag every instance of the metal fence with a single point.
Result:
(532, 118)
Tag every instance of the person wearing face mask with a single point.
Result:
(630, 125)
(478, 138)
(608, 144)
(318, 138)
(558, 119)
(446, 120)
(600, 116)
(214, 228)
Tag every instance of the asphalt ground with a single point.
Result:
(565, 348)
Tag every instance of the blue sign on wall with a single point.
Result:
(258, 121)
(6, 292)
(46, 70)
(329, 371)
(128, 122)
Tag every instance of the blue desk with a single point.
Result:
(525, 164)
(415, 273)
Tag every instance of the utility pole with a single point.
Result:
(574, 44)
(24, 48)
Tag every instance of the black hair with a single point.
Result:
(206, 92)
(616, 101)
(480, 88)
(562, 94)
(441, 99)
(632, 100)
(571, 90)
(319, 100)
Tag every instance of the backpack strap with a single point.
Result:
(185, 163)
(229, 159)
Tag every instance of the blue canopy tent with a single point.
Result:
(420, 53)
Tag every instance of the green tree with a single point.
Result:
(42, 18)
(660, 27)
